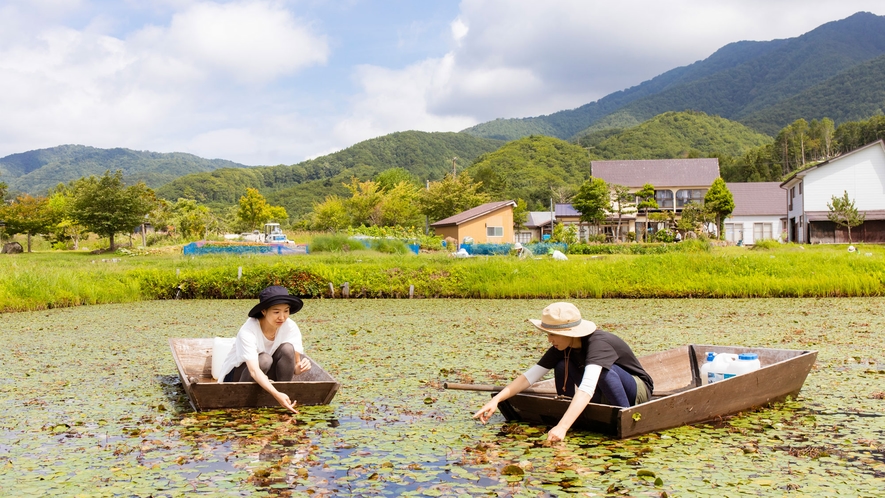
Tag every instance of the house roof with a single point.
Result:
(473, 213)
(758, 199)
(797, 175)
(537, 219)
(565, 210)
(658, 172)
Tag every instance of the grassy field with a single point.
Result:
(51, 279)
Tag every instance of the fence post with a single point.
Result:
(345, 291)
(411, 291)
(240, 273)
(332, 289)
(177, 272)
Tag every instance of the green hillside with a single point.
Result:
(428, 156)
(531, 168)
(565, 124)
(675, 134)
(37, 171)
(852, 95)
(738, 81)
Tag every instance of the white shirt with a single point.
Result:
(250, 342)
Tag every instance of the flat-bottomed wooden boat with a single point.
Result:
(679, 398)
(193, 357)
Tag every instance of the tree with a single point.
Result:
(61, 200)
(843, 213)
(719, 202)
(647, 202)
(450, 196)
(593, 201)
(390, 178)
(106, 206)
(520, 214)
(399, 205)
(253, 209)
(192, 220)
(330, 214)
(623, 203)
(364, 203)
(29, 215)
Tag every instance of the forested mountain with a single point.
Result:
(852, 95)
(428, 156)
(533, 169)
(37, 171)
(739, 82)
(675, 134)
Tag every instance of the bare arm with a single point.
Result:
(518, 385)
(579, 402)
(261, 379)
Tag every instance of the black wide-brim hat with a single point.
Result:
(272, 295)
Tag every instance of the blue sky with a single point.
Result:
(265, 82)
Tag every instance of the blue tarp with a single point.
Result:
(203, 247)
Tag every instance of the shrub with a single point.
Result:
(335, 243)
(389, 246)
(767, 244)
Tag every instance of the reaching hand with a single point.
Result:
(486, 412)
(285, 402)
(556, 434)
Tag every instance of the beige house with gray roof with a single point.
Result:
(677, 182)
(760, 212)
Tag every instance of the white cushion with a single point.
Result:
(220, 348)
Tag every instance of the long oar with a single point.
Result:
(489, 388)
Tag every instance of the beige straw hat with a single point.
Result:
(563, 319)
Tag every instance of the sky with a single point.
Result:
(267, 82)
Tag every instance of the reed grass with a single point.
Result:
(53, 279)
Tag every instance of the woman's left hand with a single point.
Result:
(556, 434)
(302, 366)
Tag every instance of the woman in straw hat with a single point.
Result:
(589, 365)
(268, 346)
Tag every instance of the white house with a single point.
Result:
(760, 212)
(860, 173)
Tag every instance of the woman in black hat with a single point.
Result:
(268, 346)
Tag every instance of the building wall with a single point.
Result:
(476, 228)
(861, 174)
(747, 225)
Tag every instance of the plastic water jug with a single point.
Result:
(746, 362)
(720, 366)
(705, 368)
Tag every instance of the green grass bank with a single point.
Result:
(54, 279)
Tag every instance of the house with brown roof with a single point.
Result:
(490, 223)
(760, 212)
(677, 182)
(859, 173)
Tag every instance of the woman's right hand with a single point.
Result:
(285, 402)
(487, 410)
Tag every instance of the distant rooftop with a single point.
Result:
(658, 172)
(758, 199)
(473, 213)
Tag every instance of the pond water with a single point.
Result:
(91, 405)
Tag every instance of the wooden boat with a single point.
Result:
(679, 397)
(193, 357)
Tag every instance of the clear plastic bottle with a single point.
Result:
(706, 375)
(746, 362)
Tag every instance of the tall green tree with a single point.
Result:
(29, 215)
(720, 203)
(647, 202)
(843, 213)
(254, 210)
(364, 203)
(331, 214)
(450, 196)
(593, 201)
(399, 205)
(61, 200)
(520, 214)
(106, 206)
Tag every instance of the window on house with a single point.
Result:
(664, 198)
(734, 232)
(762, 231)
(685, 196)
(800, 189)
(494, 231)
